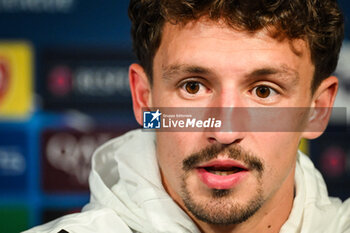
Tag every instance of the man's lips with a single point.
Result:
(221, 174)
(225, 163)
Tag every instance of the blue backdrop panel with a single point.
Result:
(13, 159)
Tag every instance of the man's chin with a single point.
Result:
(218, 193)
(220, 207)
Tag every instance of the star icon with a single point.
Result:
(156, 115)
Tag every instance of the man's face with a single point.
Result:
(207, 64)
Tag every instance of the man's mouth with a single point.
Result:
(223, 171)
(221, 174)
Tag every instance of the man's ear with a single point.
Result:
(321, 108)
(140, 90)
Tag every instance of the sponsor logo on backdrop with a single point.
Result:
(331, 156)
(88, 81)
(66, 157)
(334, 162)
(85, 79)
(101, 81)
(36, 6)
(72, 153)
(4, 77)
(14, 153)
(15, 79)
(60, 81)
(12, 162)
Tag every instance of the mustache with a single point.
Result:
(233, 151)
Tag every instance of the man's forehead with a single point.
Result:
(206, 27)
(178, 36)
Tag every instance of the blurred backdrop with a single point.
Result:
(64, 91)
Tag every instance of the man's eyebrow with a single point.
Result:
(284, 72)
(173, 70)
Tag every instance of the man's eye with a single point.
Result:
(192, 87)
(264, 91)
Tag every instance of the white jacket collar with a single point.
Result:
(125, 177)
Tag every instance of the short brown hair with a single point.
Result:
(319, 22)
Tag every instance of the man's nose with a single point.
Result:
(229, 108)
(225, 138)
(229, 97)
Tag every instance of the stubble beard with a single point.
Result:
(221, 206)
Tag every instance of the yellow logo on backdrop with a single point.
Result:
(16, 89)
